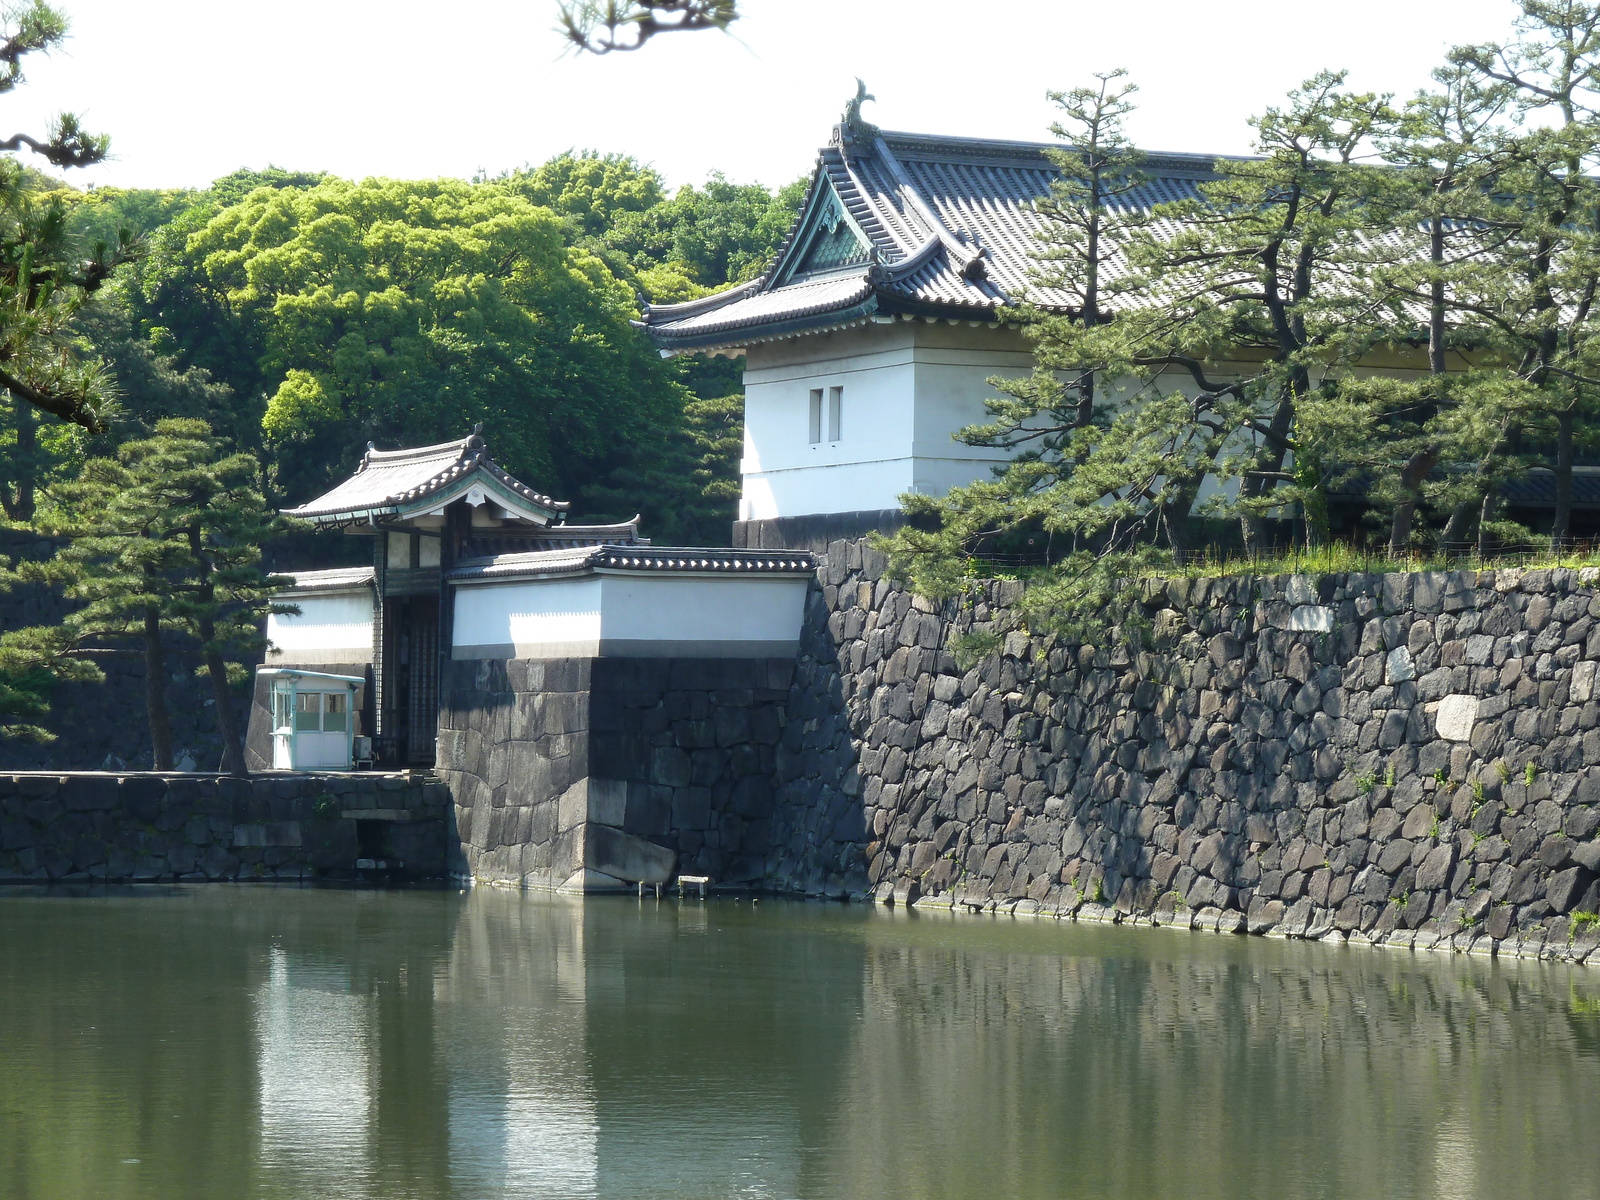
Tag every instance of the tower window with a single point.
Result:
(826, 414)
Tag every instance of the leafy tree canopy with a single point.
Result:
(718, 234)
(591, 188)
(406, 312)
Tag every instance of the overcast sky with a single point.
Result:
(191, 89)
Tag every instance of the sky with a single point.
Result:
(192, 89)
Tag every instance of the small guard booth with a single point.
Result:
(313, 720)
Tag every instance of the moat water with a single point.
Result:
(261, 1042)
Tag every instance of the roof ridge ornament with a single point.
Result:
(853, 129)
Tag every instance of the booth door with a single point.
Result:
(282, 726)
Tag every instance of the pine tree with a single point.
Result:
(608, 26)
(1440, 202)
(1537, 310)
(45, 277)
(166, 538)
(1245, 308)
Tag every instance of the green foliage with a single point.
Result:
(405, 312)
(152, 385)
(32, 663)
(717, 234)
(46, 276)
(1259, 263)
(1530, 773)
(1246, 321)
(304, 316)
(972, 647)
(164, 537)
(591, 188)
(233, 187)
(714, 432)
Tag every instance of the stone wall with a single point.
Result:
(102, 726)
(1397, 758)
(107, 827)
(601, 773)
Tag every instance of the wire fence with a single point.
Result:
(1344, 557)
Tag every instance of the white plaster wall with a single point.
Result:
(332, 627)
(630, 616)
(908, 387)
(784, 473)
(528, 618)
(952, 383)
(713, 616)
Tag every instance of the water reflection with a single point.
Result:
(513, 1033)
(315, 1078)
(261, 1042)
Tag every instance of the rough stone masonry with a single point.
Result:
(102, 827)
(1409, 759)
(598, 773)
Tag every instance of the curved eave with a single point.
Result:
(654, 561)
(764, 331)
(335, 579)
(940, 310)
(493, 488)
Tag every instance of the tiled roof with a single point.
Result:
(951, 228)
(654, 559)
(833, 298)
(489, 542)
(338, 579)
(390, 479)
(1537, 489)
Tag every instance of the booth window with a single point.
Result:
(322, 712)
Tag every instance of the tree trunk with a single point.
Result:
(1405, 513)
(1479, 507)
(1485, 511)
(1460, 524)
(1177, 517)
(1269, 464)
(1177, 529)
(1425, 459)
(1561, 525)
(155, 693)
(227, 719)
(19, 499)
